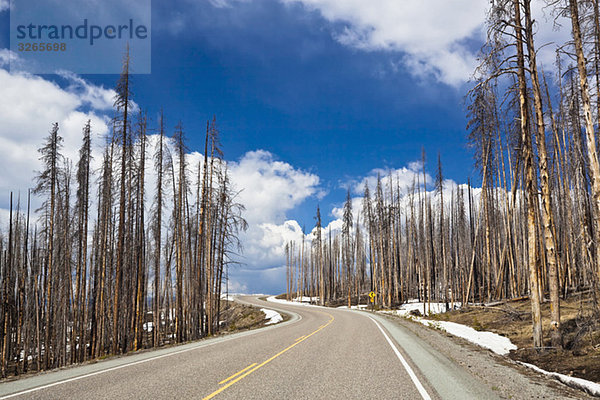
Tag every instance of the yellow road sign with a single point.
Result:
(372, 295)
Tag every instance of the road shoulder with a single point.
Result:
(452, 364)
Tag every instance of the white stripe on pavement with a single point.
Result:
(407, 367)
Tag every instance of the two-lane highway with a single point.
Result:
(319, 354)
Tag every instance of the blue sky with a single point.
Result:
(277, 80)
(312, 95)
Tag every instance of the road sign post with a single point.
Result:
(372, 297)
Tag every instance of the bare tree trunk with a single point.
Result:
(594, 165)
(530, 182)
(122, 102)
(547, 213)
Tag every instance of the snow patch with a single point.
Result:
(489, 340)
(358, 307)
(590, 387)
(272, 316)
(227, 297)
(305, 301)
(496, 343)
(431, 308)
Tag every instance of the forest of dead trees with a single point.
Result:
(110, 264)
(531, 229)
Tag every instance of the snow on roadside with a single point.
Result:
(496, 343)
(502, 345)
(590, 387)
(273, 316)
(435, 308)
(305, 301)
(358, 307)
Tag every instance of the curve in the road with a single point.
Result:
(319, 353)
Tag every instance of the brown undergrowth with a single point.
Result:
(240, 317)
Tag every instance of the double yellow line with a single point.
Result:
(238, 376)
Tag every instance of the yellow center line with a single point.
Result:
(239, 378)
(300, 338)
(237, 373)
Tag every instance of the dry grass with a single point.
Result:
(236, 317)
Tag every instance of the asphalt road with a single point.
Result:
(318, 354)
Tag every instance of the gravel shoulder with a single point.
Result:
(500, 374)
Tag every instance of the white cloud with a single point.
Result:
(226, 3)
(551, 31)
(97, 97)
(28, 107)
(220, 3)
(269, 280)
(237, 287)
(431, 34)
(430, 39)
(402, 177)
(270, 187)
(264, 244)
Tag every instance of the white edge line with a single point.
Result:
(35, 389)
(101, 372)
(407, 367)
(75, 378)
